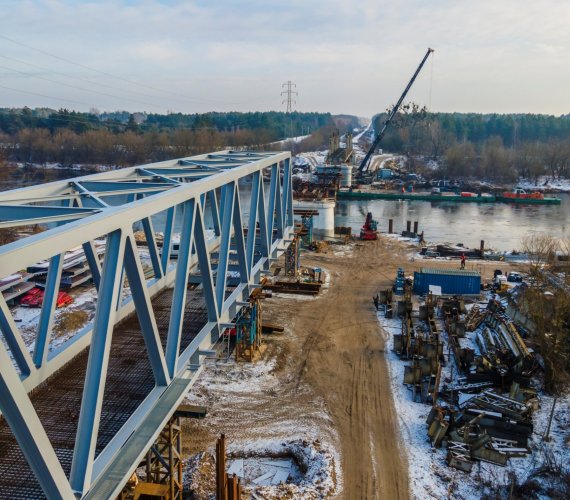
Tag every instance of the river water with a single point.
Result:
(501, 225)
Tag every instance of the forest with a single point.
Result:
(490, 146)
(118, 139)
(485, 146)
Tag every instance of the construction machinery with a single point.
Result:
(369, 230)
(365, 164)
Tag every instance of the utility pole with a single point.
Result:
(289, 92)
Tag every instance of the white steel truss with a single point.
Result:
(109, 205)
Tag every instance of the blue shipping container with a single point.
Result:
(451, 281)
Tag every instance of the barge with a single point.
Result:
(443, 198)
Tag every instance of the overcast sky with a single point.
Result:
(345, 56)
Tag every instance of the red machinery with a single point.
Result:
(370, 229)
(35, 298)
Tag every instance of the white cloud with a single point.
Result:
(345, 56)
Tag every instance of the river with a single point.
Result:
(501, 225)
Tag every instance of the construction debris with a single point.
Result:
(482, 402)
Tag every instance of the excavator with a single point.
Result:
(365, 163)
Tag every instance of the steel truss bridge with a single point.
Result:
(78, 415)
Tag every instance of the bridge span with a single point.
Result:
(78, 416)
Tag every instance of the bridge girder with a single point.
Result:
(84, 209)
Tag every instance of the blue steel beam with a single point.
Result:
(167, 239)
(152, 247)
(22, 418)
(90, 413)
(252, 225)
(227, 208)
(173, 371)
(239, 239)
(48, 307)
(124, 187)
(180, 287)
(143, 307)
(18, 215)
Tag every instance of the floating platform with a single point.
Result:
(529, 201)
(443, 198)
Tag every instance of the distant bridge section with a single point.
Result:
(79, 415)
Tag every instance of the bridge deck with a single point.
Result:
(58, 400)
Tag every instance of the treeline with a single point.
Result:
(499, 147)
(69, 137)
(278, 124)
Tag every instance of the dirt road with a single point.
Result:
(325, 378)
(342, 359)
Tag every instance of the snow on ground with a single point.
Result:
(430, 477)
(84, 299)
(546, 182)
(357, 138)
(299, 138)
(287, 456)
(297, 468)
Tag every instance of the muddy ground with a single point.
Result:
(329, 378)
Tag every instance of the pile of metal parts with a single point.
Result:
(420, 343)
(475, 422)
(503, 355)
(482, 404)
(486, 412)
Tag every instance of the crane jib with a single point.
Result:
(364, 164)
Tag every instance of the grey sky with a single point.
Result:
(345, 56)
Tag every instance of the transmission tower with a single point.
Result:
(289, 93)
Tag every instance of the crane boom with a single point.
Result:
(365, 162)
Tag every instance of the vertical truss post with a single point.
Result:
(152, 248)
(228, 194)
(264, 225)
(167, 241)
(272, 201)
(205, 267)
(180, 286)
(280, 215)
(287, 200)
(239, 239)
(90, 414)
(48, 307)
(212, 197)
(252, 224)
(93, 262)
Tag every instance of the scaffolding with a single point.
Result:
(248, 329)
(163, 462)
(292, 257)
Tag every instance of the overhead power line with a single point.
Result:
(118, 77)
(81, 88)
(45, 95)
(69, 75)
